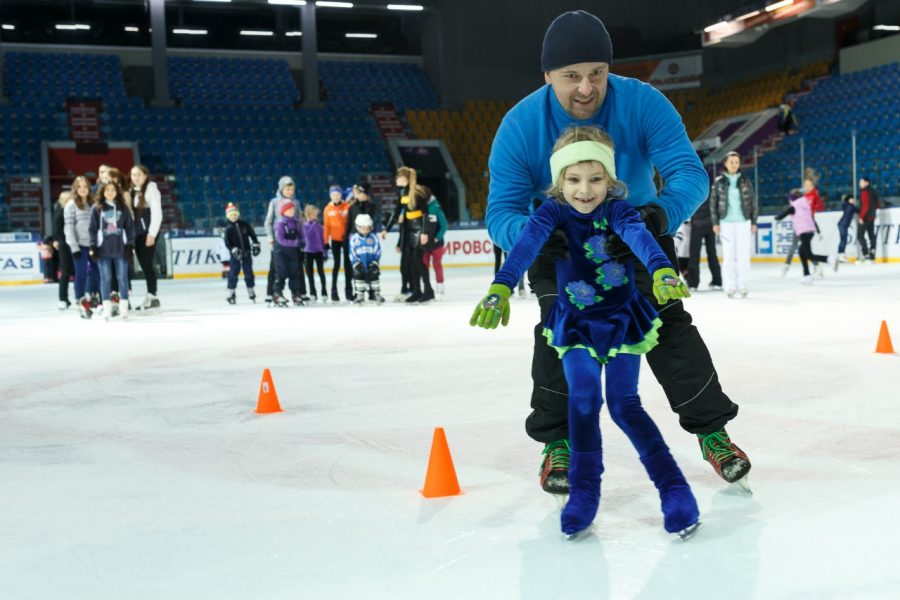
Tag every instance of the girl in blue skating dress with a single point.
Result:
(599, 321)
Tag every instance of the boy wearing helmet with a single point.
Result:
(365, 254)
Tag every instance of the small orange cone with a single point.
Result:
(884, 345)
(440, 479)
(268, 399)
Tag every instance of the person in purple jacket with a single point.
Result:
(314, 234)
(288, 239)
(649, 133)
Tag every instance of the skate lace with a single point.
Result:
(556, 455)
(718, 446)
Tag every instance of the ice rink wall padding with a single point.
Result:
(200, 254)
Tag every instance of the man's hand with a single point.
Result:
(656, 221)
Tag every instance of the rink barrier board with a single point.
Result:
(199, 256)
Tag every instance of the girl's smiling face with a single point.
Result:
(109, 192)
(585, 186)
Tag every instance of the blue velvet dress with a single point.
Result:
(598, 307)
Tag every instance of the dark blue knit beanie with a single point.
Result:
(575, 37)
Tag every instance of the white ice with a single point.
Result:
(132, 464)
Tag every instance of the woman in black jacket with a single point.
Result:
(66, 266)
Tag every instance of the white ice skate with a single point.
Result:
(150, 305)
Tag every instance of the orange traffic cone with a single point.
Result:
(440, 479)
(884, 345)
(268, 399)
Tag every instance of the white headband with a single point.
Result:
(581, 151)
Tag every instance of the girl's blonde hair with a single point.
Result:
(311, 212)
(413, 188)
(64, 198)
(79, 201)
(585, 133)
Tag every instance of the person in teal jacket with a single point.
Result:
(649, 133)
(435, 228)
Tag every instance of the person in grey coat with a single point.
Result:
(286, 191)
(76, 224)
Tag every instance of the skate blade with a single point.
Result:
(574, 537)
(744, 484)
(688, 532)
(561, 500)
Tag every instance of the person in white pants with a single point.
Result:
(734, 209)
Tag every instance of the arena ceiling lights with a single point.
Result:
(288, 2)
(257, 32)
(329, 4)
(750, 26)
(405, 7)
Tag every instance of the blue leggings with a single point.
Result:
(585, 398)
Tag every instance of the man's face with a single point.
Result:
(863, 184)
(581, 88)
(103, 173)
(336, 196)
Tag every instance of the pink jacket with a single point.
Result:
(803, 216)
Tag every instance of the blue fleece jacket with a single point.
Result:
(646, 129)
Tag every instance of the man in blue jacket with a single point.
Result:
(648, 133)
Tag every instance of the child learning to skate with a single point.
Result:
(365, 253)
(599, 321)
(314, 250)
(288, 241)
(243, 245)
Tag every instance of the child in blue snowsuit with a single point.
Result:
(365, 254)
(599, 321)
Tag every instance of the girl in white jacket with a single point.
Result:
(146, 203)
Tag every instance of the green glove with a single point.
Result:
(493, 308)
(667, 286)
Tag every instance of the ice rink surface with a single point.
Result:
(133, 466)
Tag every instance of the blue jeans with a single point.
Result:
(82, 278)
(234, 271)
(106, 266)
(842, 229)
